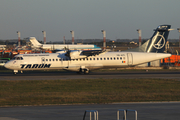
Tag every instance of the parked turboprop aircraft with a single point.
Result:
(36, 44)
(84, 61)
(80, 61)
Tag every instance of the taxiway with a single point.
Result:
(63, 75)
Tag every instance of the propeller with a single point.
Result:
(67, 52)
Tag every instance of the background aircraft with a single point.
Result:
(36, 44)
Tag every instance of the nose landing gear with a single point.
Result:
(15, 72)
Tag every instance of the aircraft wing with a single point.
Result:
(75, 54)
(91, 52)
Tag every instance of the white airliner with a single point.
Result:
(80, 61)
(84, 61)
(36, 44)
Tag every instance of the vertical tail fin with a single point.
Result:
(34, 42)
(157, 42)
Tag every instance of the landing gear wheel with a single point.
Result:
(86, 71)
(80, 71)
(15, 73)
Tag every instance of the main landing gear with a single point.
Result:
(85, 71)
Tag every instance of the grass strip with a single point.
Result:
(41, 92)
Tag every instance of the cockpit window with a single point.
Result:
(18, 58)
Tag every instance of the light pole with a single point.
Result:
(19, 34)
(104, 39)
(179, 38)
(64, 41)
(72, 32)
(44, 33)
(139, 31)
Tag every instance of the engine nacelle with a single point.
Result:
(76, 54)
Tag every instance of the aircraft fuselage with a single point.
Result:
(46, 61)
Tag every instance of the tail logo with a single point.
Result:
(160, 43)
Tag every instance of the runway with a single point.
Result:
(64, 75)
(146, 111)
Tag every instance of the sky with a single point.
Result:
(119, 18)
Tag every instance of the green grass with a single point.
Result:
(33, 92)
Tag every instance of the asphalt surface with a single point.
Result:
(63, 75)
(146, 111)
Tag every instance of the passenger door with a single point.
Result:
(129, 59)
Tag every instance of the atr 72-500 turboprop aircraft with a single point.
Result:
(84, 61)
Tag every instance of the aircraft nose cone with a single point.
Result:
(6, 65)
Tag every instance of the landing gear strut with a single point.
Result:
(15, 72)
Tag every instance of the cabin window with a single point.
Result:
(86, 58)
(117, 58)
(46, 59)
(107, 58)
(56, 59)
(53, 59)
(59, 59)
(83, 58)
(100, 58)
(104, 58)
(94, 58)
(114, 58)
(97, 58)
(49, 59)
(111, 58)
(120, 58)
(90, 58)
